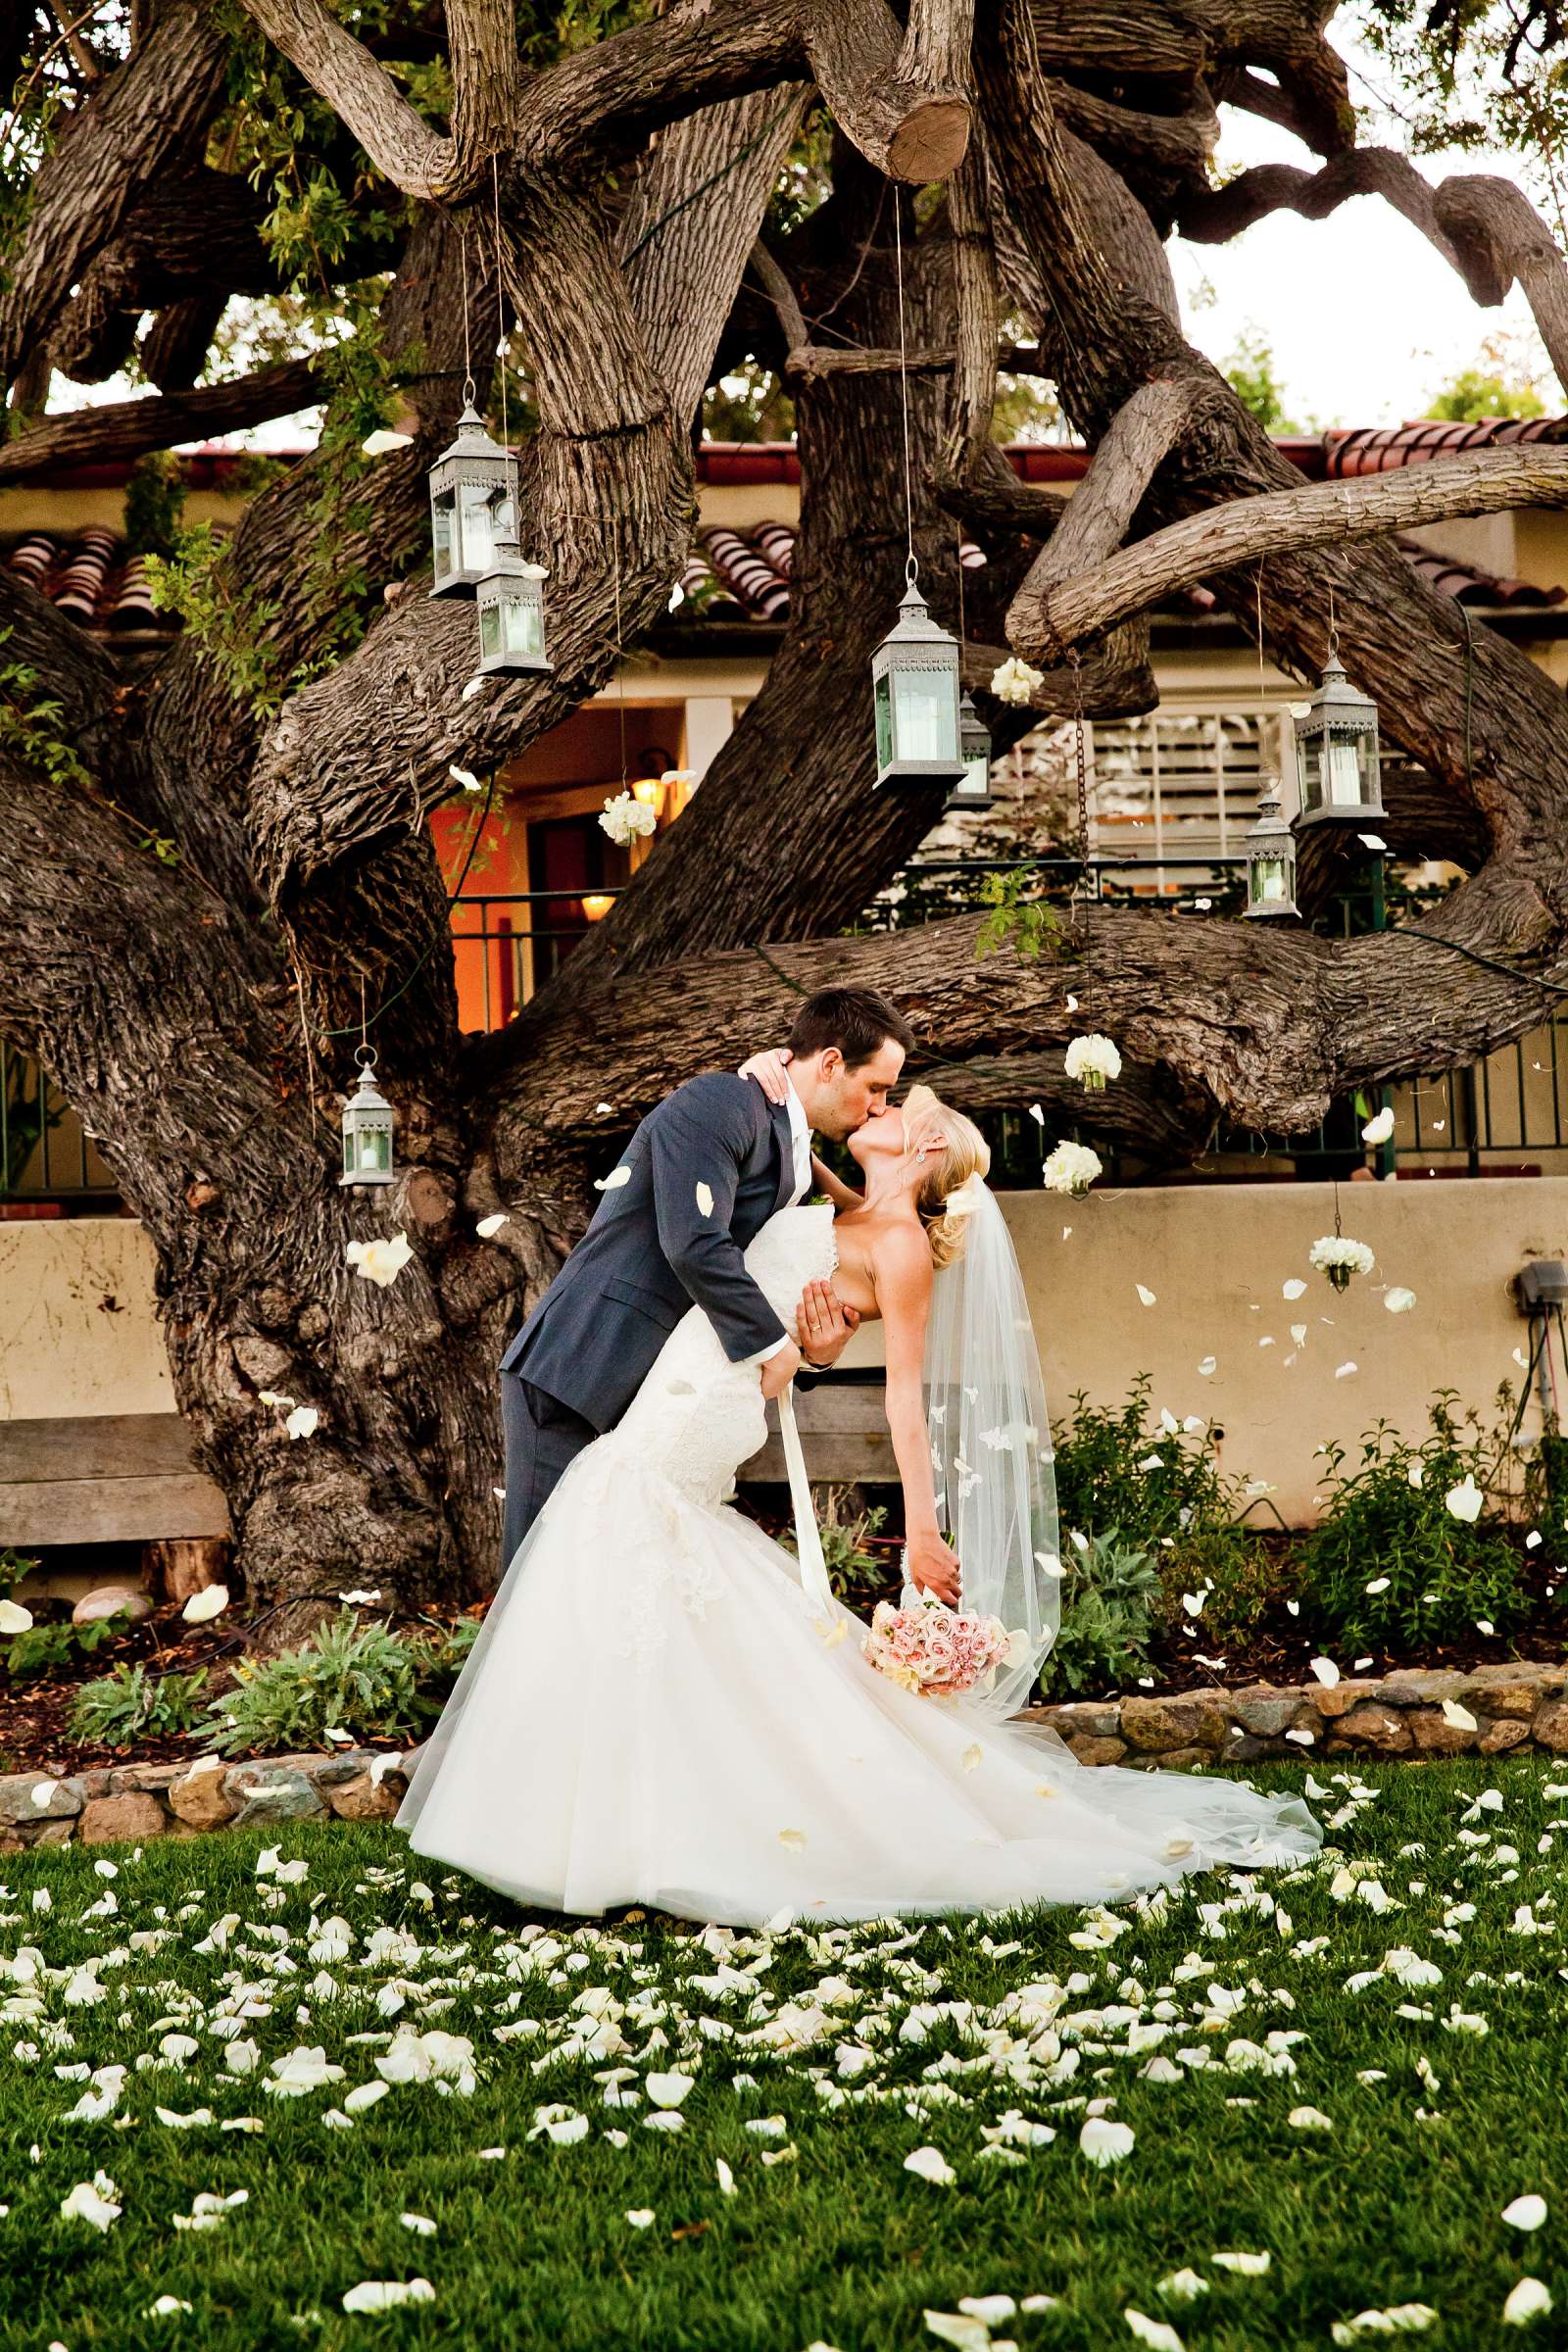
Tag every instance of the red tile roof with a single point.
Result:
(90, 573)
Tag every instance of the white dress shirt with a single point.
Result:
(801, 1143)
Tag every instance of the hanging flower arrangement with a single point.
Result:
(1094, 1059)
(1070, 1169)
(1340, 1258)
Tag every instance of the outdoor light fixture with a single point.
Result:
(1337, 752)
(511, 613)
(367, 1128)
(973, 790)
(1270, 859)
(472, 513)
(914, 679)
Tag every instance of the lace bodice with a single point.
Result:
(697, 1416)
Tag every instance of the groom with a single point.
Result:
(700, 1178)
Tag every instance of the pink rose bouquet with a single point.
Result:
(935, 1649)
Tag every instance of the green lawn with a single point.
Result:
(837, 2244)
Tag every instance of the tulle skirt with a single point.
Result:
(654, 1715)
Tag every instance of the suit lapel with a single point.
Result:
(784, 1145)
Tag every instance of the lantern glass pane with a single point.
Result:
(976, 780)
(1269, 881)
(374, 1149)
(1344, 773)
(477, 543)
(489, 631)
(926, 715)
(441, 527)
(522, 625)
(883, 699)
(1309, 752)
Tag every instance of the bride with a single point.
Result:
(664, 1707)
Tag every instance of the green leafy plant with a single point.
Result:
(1110, 1594)
(128, 1704)
(1389, 1519)
(1029, 923)
(14, 1566)
(358, 1677)
(32, 722)
(44, 1650)
(1159, 1483)
(853, 1570)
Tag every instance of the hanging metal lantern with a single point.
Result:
(511, 615)
(973, 790)
(367, 1128)
(1270, 859)
(1337, 752)
(471, 506)
(915, 682)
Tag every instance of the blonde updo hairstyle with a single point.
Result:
(964, 1152)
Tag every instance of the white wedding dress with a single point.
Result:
(654, 1713)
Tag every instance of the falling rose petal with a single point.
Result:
(202, 1606)
(793, 1839)
(1326, 1671)
(1346, 1371)
(1484, 1625)
(380, 1261)
(1193, 1602)
(1048, 1564)
(1464, 1501)
(1036, 1115)
(1072, 1004)
(705, 1201)
(1379, 1583)
(14, 1618)
(1460, 1717)
(1397, 1300)
(1292, 1288)
(488, 1227)
(1379, 1128)
(1372, 841)
(1146, 1295)
(303, 1422)
(1207, 1367)
(613, 1180)
(475, 685)
(1299, 1333)
(973, 1756)
(466, 778)
(379, 444)
(1533, 1539)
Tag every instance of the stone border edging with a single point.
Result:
(1520, 1705)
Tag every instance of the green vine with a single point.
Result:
(31, 724)
(1029, 923)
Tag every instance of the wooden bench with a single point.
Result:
(111, 1478)
(844, 1433)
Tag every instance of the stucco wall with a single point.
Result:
(78, 1333)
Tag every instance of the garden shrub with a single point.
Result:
(43, 1649)
(1389, 1517)
(362, 1679)
(1110, 1591)
(855, 1571)
(129, 1704)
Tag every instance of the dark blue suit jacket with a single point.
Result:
(653, 1251)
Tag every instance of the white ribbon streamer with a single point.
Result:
(808, 1543)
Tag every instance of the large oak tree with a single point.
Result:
(204, 873)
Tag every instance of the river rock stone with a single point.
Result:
(1435, 1735)
(1383, 1730)
(1264, 1712)
(131, 1816)
(1419, 1687)
(1512, 1691)
(199, 1798)
(1498, 1737)
(268, 1794)
(365, 1799)
(1551, 1725)
(1160, 1726)
(17, 1808)
(1090, 1751)
(124, 1777)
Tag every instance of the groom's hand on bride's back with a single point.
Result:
(823, 1326)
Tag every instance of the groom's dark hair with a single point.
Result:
(855, 1019)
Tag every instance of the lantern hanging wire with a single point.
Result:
(973, 791)
(1270, 844)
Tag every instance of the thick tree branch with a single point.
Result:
(341, 69)
(1319, 514)
(134, 126)
(126, 428)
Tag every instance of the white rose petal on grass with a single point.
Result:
(971, 2335)
(1248, 2266)
(386, 2294)
(165, 2307)
(419, 2222)
(613, 1180)
(202, 1606)
(670, 2089)
(1310, 2119)
(92, 2201)
(1400, 2318)
(640, 2216)
(1157, 2332)
(989, 2310)
(705, 1201)
(1181, 2287)
(303, 1422)
(1525, 2213)
(727, 2178)
(488, 1227)
(381, 1260)
(1105, 2142)
(931, 2165)
(1529, 2301)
